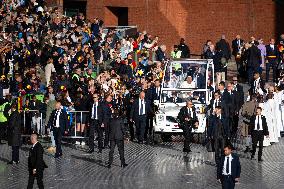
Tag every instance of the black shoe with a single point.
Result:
(100, 151)
(260, 160)
(11, 162)
(247, 150)
(58, 155)
(252, 156)
(186, 150)
(90, 151)
(124, 165)
(109, 165)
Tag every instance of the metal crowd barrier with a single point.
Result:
(39, 130)
(37, 123)
(72, 115)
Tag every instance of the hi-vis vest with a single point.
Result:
(76, 76)
(2, 116)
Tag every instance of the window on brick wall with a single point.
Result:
(74, 7)
(116, 16)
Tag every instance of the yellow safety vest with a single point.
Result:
(76, 76)
(2, 116)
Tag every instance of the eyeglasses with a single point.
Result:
(95, 97)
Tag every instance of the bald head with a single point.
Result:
(189, 104)
(33, 138)
(58, 105)
(142, 95)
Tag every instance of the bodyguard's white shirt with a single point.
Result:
(256, 82)
(216, 103)
(257, 86)
(57, 118)
(225, 165)
(143, 104)
(34, 144)
(158, 91)
(95, 105)
(191, 112)
(260, 123)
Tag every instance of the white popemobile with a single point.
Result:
(183, 79)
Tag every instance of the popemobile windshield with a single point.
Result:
(184, 79)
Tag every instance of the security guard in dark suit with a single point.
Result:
(95, 122)
(116, 136)
(188, 120)
(36, 163)
(258, 129)
(106, 116)
(229, 169)
(219, 132)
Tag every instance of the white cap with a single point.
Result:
(39, 9)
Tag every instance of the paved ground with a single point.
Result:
(150, 167)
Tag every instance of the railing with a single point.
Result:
(39, 130)
(70, 118)
(37, 123)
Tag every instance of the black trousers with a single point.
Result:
(100, 131)
(227, 182)
(103, 142)
(271, 63)
(93, 127)
(257, 136)
(149, 127)
(187, 138)
(219, 144)
(106, 131)
(38, 176)
(57, 137)
(120, 146)
(131, 130)
(3, 130)
(15, 153)
(235, 121)
(140, 125)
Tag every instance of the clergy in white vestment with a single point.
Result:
(270, 114)
(279, 97)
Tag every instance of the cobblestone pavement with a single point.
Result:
(150, 167)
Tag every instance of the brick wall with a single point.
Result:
(194, 20)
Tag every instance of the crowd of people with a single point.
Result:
(48, 57)
(67, 76)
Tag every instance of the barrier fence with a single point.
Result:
(34, 120)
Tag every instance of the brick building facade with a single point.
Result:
(194, 20)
